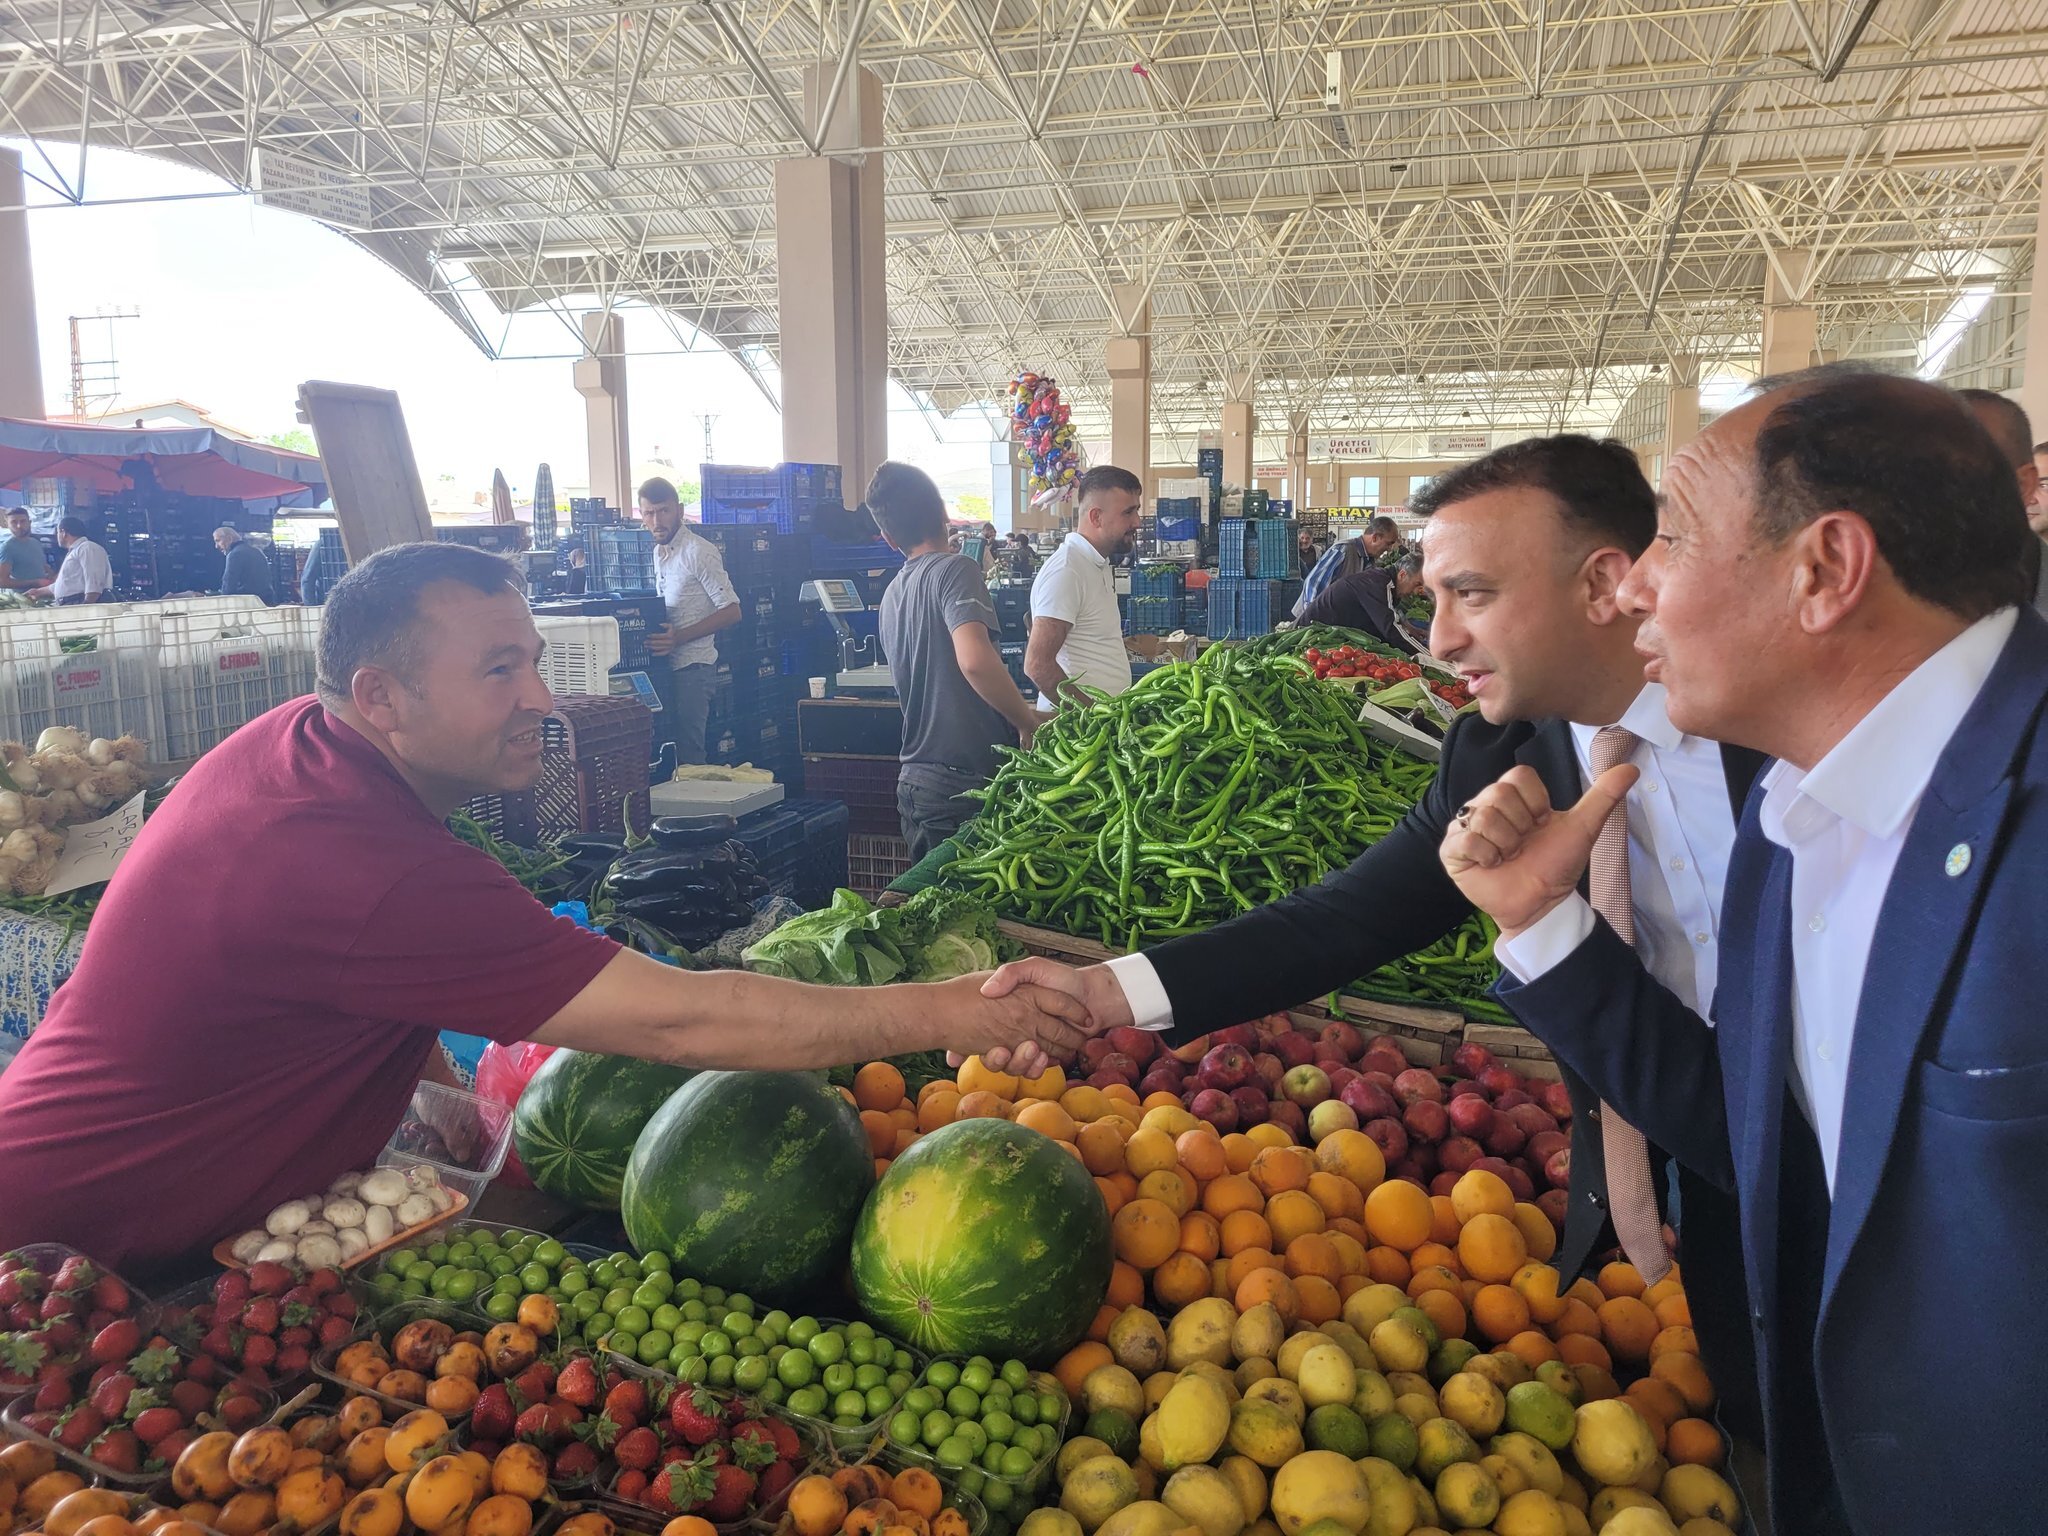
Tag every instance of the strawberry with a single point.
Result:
(155, 1365)
(493, 1416)
(488, 1449)
(98, 1318)
(775, 1482)
(110, 1295)
(153, 1424)
(752, 1452)
(191, 1398)
(238, 1410)
(110, 1395)
(631, 1486)
(61, 1333)
(204, 1369)
(627, 1403)
(21, 1356)
(116, 1341)
(117, 1449)
(695, 1416)
(259, 1349)
(294, 1359)
(681, 1486)
(219, 1342)
(231, 1290)
(167, 1450)
(75, 1274)
(637, 1450)
(324, 1282)
(787, 1446)
(732, 1490)
(300, 1335)
(19, 1285)
(269, 1278)
(574, 1463)
(756, 1433)
(542, 1425)
(260, 1315)
(536, 1382)
(333, 1330)
(600, 1433)
(339, 1304)
(301, 1295)
(41, 1423)
(57, 1305)
(80, 1427)
(25, 1314)
(578, 1383)
(53, 1393)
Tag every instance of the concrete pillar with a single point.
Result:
(1297, 463)
(601, 381)
(21, 380)
(829, 257)
(2034, 366)
(1129, 359)
(1790, 324)
(1240, 429)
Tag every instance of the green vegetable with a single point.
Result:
(1412, 694)
(956, 934)
(847, 944)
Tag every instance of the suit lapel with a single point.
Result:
(1550, 752)
(1769, 1030)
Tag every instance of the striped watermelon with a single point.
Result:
(577, 1120)
(984, 1238)
(751, 1181)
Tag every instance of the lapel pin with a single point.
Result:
(1958, 860)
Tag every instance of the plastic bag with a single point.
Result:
(501, 1076)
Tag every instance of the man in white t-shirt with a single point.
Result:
(1077, 635)
(689, 573)
(86, 575)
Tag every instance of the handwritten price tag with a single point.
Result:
(94, 849)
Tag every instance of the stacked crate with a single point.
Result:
(1156, 601)
(791, 498)
(753, 713)
(1240, 608)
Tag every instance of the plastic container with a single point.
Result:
(47, 1259)
(845, 1438)
(999, 1492)
(890, 1460)
(11, 1422)
(173, 1319)
(375, 1301)
(386, 1324)
(94, 669)
(462, 1136)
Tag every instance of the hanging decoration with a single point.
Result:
(1040, 420)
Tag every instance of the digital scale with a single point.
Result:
(859, 671)
(636, 685)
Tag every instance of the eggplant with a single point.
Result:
(662, 875)
(680, 832)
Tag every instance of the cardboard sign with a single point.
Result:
(94, 849)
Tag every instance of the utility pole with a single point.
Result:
(707, 420)
(106, 369)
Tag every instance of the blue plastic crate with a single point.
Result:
(777, 514)
(1194, 613)
(1162, 583)
(794, 483)
(623, 560)
(1233, 549)
(1153, 615)
(1277, 556)
(830, 557)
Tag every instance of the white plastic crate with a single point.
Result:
(581, 651)
(220, 671)
(94, 669)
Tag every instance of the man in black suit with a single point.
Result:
(1523, 551)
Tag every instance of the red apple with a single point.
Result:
(1543, 1144)
(1141, 1045)
(1464, 1087)
(1369, 1099)
(1251, 1103)
(1424, 1157)
(1470, 1115)
(1330, 1059)
(1497, 1080)
(1390, 1136)
(1290, 1116)
(1508, 1100)
(1307, 1086)
(1267, 1070)
(1342, 1078)
(1556, 1098)
(1426, 1120)
(1216, 1107)
(1459, 1153)
(1330, 1117)
(1093, 1051)
(1244, 1036)
(1295, 1047)
(1534, 1119)
(1555, 1204)
(1225, 1067)
(1558, 1168)
(1520, 1182)
(1157, 1081)
(1471, 1058)
(1497, 1166)
(1410, 1170)
(1506, 1138)
(1443, 1183)
(1122, 1065)
(1102, 1079)
(1345, 1038)
(1384, 1058)
(1417, 1084)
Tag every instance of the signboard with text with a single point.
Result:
(1351, 446)
(1451, 445)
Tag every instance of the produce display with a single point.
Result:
(577, 1120)
(473, 1265)
(356, 1214)
(871, 1496)
(993, 1426)
(934, 936)
(64, 779)
(57, 1308)
(718, 1458)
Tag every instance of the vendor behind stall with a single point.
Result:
(244, 571)
(1370, 601)
(264, 980)
(23, 562)
(86, 575)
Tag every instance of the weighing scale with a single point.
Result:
(636, 685)
(859, 672)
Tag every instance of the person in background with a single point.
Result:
(1836, 583)
(1305, 552)
(1347, 558)
(1077, 633)
(1019, 563)
(938, 627)
(577, 581)
(86, 575)
(689, 573)
(2009, 428)
(23, 561)
(1370, 601)
(244, 571)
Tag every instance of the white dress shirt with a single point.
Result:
(689, 573)
(1680, 830)
(1845, 821)
(85, 570)
(1077, 587)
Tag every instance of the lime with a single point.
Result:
(977, 1378)
(463, 1286)
(438, 1252)
(750, 1373)
(1024, 1409)
(973, 1434)
(1332, 1427)
(738, 1324)
(920, 1400)
(1018, 1462)
(937, 1427)
(796, 1369)
(807, 1400)
(740, 1301)
(653, 1347)
(850, 1405)
(692, 1332)
(1052, 1406)
(713, 1295)
(460, 1250)
(867, 1376)
(696, 1370)
(901, 1361)
(604, 1274)
(722, 1367)
(953, 1453)
(501, 1309)
(649, 1295)
(654, 1262)
(624, 1341)
(903, 1429)
(898, 1382)
(775, 1323)
(773, 1391)
(1393, 1439)
(598, 1324)
(860, 1351)
(688, 1289)
(944, 1375)
(636, 1321)
(996, 1496)
(992, 1459)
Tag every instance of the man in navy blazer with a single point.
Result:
(1836, 582)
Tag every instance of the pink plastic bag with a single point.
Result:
(501, 1076)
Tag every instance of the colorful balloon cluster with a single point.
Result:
(1039, 418)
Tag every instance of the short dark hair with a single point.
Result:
(1106, 477)
(1596, 482)
(75, 526)
(660, 492)
(370, 613)
(2005, 421)
(1384, 526)
(906, 505)
(14, 512)
(1911, 460)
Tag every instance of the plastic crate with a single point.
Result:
(1158, 583)
(217, 673)
(94, 669)
(1153, 616)
(875, 861)
(788, 482)
(865, 785)
(581, 652)
(1278, 557)
(830, 557)
(1241, 608)
(623, 560)
(594, 757)
(1234, 550)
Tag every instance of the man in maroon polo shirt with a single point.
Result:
(265, 978)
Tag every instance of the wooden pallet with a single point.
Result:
(1516, 1048)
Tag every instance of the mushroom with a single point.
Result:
(345, 1211)
(382, 1186)
(353, 1244)
(287, 1218)
(248, 1245)
(415, 1209)
(377, 1224)
(320, 1251)
(277, 1250)
(347, 1184)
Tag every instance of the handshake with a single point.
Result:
(1019, 1018)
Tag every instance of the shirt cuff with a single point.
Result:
(1548, 942)
(1143, 991)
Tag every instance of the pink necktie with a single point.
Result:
(1632, 1198)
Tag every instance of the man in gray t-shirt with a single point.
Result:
(23, 561)
(938, 629)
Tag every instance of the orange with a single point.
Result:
(1445, 1310)
(1443, 1220)
(904, 1140)
(1688, 1377)
(1278, 1169)
(1695, 1442)
(1244, 1229)
(1673, 1341)
(1149, 1151)
(1247, 1261)
(1350, 1252)
(1181, 1279)
(1577, 1317)
(1238, 1151)
(1499, 1313)
(1336, 1195)
(1668, 1286)
(1048, 1119)
(816, 1508)
(1673, 1311)
(1351, 1226)
(1537, 1231)
(1160, 1100)
(1127, 1184)
(1478, 1192)
(1202, 1235)
(1076, 1363)
(1201, 1153)
(1351, 1285)
(1105, 1319)
(1657, 1399)
(1121, 1093)
(1269, 1285)
(1267, 1135)
(1585, 1290)
(1232, 1192)
(1321, 1302)
(1352, 1155)
(904, 1116)
(1145, 1232)
(1112, 1197)
(1531, 1348)
(1313, 1254)
(846, 1094)
(1386, 1266)
(1102, 1150)
(1070, 1149)
(981, 1105)
(1049, 1084)
(1492, 1247)
(1470, 1289)
(937, 1109)
(1434, 1278)
(1084, 1103)
(1583, 1349)
(1171, 1188)
(1291, 1213)
(1537, 1285)
(976, 1076)
(1436, 1253)
(1126, 1286)
(1620, 1279)
(1398, 1214)
(881, 1132)
(918, 1491)
(878, 1085)
(1596, 1382)
(1628, 1326)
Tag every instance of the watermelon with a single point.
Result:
(751, 1181)
(577, 1119)
(984, 1238)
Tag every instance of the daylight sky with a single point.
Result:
(241, 303)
